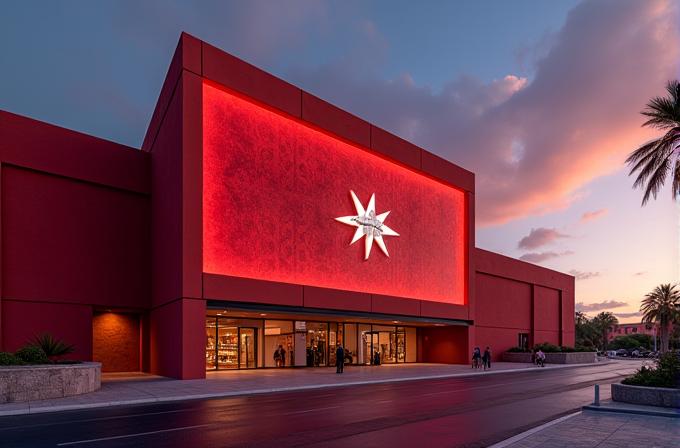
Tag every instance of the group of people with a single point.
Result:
(479, 360)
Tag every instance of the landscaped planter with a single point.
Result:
(650, 396)
(516, 357)
(554, 358)
(28, 383)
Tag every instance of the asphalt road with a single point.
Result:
(474, 411)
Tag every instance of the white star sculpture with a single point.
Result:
(368, 224)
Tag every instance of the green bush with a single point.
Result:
(32, 354)
(567, 349)
(585, 349)
(517, 350)
(665, 373)
(546, 347)
(10, 359)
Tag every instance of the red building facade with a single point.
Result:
(228, 234)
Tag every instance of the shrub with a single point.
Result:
(10, 359)
(665, 373)
(53, 348)
(546, 347)
(567, 349)
(585, 349)
(32, 354)
(517, 350)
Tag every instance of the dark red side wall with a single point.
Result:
(75, 231)
(116, 341)
(515, 297)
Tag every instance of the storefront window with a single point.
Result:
(350, 334)
(248, 349)
(210, 354)
(317, 349)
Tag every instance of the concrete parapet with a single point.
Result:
(554, 358)
(28, 383)
(649, 396)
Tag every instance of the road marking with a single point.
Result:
(385, 401)
(130, 435)
(480, 387)
(98, 419)
(309, 410)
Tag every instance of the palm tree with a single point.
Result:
(662, 305)
(655, 159)
(604, 322)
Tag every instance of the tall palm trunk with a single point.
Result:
(664, 336)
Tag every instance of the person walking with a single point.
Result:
(476, 358)
(280, 356)
(339, 358)
(487, 359)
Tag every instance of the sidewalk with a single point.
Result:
(609, 429)
(139, 388)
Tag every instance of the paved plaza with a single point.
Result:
(610, 425)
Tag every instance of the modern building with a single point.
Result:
(229, 233)
(637, 328)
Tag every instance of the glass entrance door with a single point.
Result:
(248, 349)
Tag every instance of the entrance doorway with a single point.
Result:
(385, 347)
(229, 347)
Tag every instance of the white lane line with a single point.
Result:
(526, 434)
(475, 388)
(98, 419)
(130, 435)
(309, 410)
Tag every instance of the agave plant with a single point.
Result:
(53, 348)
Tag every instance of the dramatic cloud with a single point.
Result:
(606, 305)
(533, 144)
(627, 315)
(583, 275)
(540, 257)
(539, 237)
(589, 216)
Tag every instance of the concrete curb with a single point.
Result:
(532, 431)
(669, 414)
(152, 400)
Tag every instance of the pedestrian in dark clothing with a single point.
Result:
(339, 358)
(487, 358)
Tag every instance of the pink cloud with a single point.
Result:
(534, 145)
(540, 257)
(590, 216)
(539, 237)
(600, 306)
(583, 275)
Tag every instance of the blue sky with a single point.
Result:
(540, 99)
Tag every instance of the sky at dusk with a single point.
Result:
(539, 99)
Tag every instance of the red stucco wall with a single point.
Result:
(72, 323)
(281, 184)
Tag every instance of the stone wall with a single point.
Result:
(554, 358)
(29, 383)
(650, 396)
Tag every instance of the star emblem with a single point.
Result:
(369, 225)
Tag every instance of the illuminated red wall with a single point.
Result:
(273, 186)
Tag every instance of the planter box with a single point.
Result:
(554, 358)
(28, 383)
(650, 396)
(516, 357)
